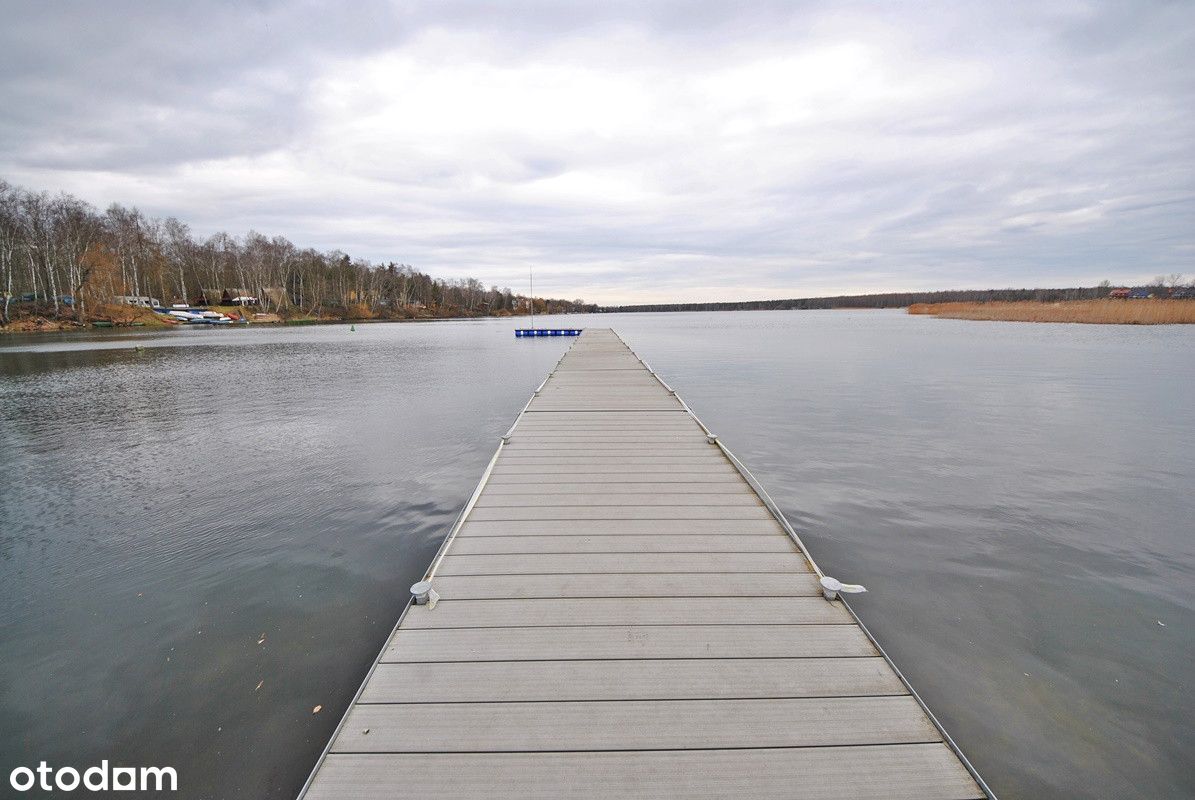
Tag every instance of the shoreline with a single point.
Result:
(1107, 311)
(48, 326)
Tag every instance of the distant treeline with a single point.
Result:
(61, 258)
(887, 300)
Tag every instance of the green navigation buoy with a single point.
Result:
(352, 327)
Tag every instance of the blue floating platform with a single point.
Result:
(520, 332)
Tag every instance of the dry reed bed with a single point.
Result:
(1100, 312)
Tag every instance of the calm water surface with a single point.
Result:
(1018, 498)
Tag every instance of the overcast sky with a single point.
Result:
(633, 151)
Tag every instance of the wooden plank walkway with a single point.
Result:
(622, 614)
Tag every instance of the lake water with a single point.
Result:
(1018, 498)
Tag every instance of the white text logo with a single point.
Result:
(95, 779)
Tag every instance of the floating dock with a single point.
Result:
(623, 613)
(521, 332)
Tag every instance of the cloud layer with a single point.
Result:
(634, 151)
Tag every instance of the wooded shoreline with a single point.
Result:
(62, 259)
(134, 319)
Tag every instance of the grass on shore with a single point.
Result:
(1101, 312)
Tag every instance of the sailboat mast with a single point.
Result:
(531, 280)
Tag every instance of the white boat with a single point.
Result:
(194, 316)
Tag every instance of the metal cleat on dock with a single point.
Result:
(832, 586)
(424, 594)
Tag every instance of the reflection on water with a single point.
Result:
(1016, 497)
(161, 510)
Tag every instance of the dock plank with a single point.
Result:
(649, 584)
(596, 611)
(576, 563)
(618, 527)
(620, 499)
(556, 726)
(673, 512)
(892, 772)
(470, 545)
(641, 452)
(628, 641)
(685, 447)
(650, 487)
(674, 679)
(620, 468)
(678, 480)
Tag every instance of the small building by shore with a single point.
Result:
(224, 297)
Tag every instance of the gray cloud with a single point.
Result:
(634, 151)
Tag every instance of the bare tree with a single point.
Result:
(77, 229)
(180, 249)
(10, 236)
